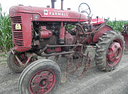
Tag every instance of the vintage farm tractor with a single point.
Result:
(45, 32)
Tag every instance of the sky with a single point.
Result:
(113, 9)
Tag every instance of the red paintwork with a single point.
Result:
(62, 34)
(105, 29)
(126, 40)
(55, 50)
(45, 33)
(89, 40)
(26, 33)
(48, 14)
(97, 21)
(29, 14)
(42, 82)
(114, 53)
(69, 38)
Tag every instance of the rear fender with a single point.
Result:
(105, 29)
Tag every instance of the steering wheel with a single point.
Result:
(84, 8)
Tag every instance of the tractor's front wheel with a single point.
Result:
(40, 77)
(109, 50)
(18, 61)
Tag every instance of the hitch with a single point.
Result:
(87, 64)
(69, 66)
(79, 64)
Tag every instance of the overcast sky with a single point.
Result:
(103, 8)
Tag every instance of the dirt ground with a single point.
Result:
(93, 82)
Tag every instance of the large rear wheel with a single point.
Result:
(109, 50)
(40, 77)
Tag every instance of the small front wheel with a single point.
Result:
(14, 64)
(40, 77)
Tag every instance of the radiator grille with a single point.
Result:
(18, 35)
(19, 42)
(16, 19)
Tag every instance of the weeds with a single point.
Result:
(4, 55)
(3, 61)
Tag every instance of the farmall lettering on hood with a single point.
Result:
(48, 14)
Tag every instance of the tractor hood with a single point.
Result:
(48, 13)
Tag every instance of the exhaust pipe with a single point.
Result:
(62, 4)
(52, 2)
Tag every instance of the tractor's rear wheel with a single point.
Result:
(109, 50)
(40, 77)
(14, 64)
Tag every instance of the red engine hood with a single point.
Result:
(48, 14)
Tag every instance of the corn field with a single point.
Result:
(117, 25)
(6, 31)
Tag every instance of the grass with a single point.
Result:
(3, 61)
(4, 55)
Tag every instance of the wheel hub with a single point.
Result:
(42, 82)
(114, 53)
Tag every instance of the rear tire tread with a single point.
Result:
(101, 49)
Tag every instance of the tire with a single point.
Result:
(35, 78)
(11, 63)
(109, 50)
(14, 65)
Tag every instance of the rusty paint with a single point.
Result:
(62, 34)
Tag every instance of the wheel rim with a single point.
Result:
(42, 82)
(114, 52)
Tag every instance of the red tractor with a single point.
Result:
(45, 32)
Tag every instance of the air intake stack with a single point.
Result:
(52, 2)
(62, 4)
